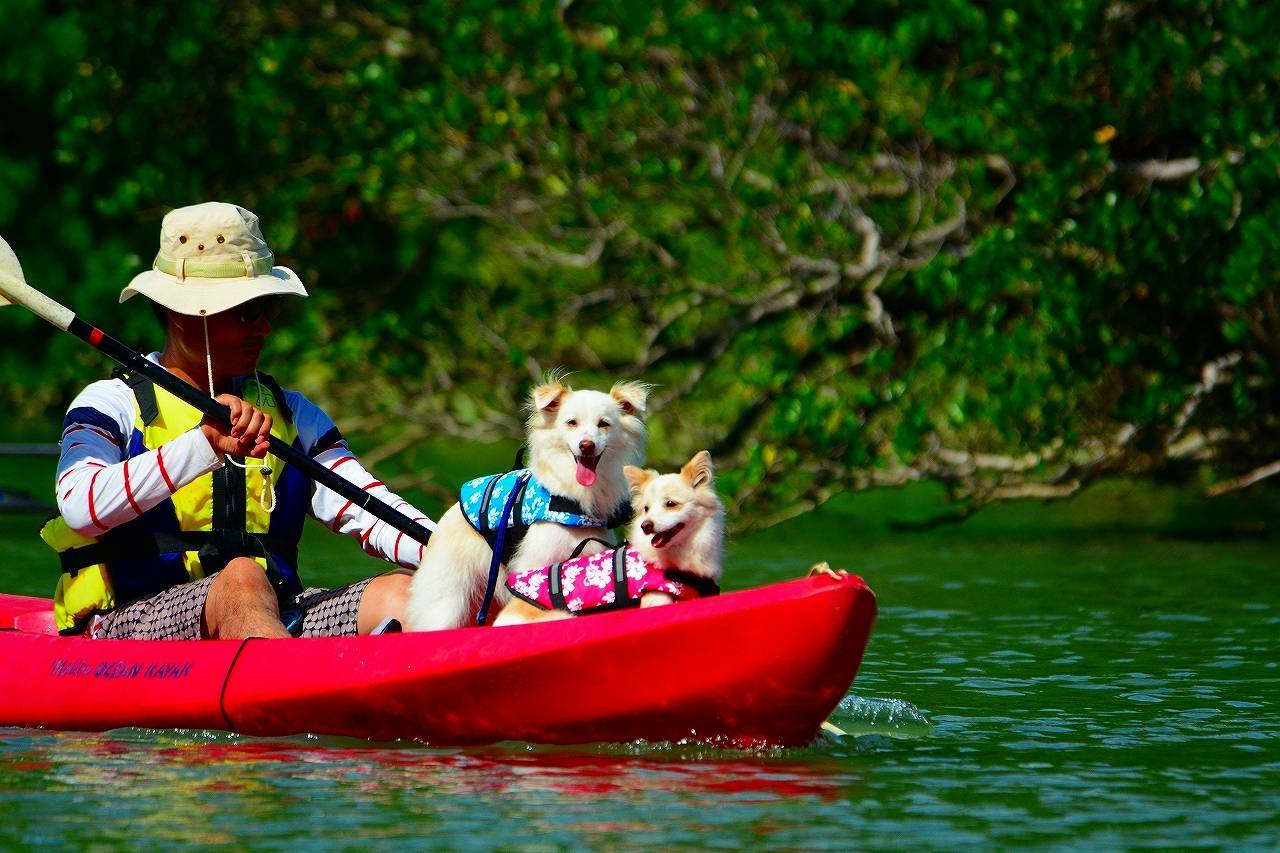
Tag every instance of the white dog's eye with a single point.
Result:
(571, 423)
(603, 425)
(646, 507)
(672, 504)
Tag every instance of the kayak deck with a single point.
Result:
(760, 666)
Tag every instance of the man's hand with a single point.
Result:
(247, 436)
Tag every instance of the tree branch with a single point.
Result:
(1245, 480)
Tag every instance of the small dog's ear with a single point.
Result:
(547, 398)
(698, 472)
(631, 397)
(637, 477)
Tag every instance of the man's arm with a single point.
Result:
(327, 446)
(98, 486)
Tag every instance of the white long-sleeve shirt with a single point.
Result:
(99, 487)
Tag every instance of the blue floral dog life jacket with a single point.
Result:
(484, 498)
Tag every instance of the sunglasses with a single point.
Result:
(255, 309)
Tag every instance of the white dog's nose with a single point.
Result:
(587, 447)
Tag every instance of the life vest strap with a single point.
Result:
(223, 543)
(513, 524)
(581, 546)
(706, 587)
(555, 587)
(621, 589)
(621, 515)
(144, 391)
(498, 546)
(483, 517)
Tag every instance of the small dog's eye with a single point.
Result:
(603, 425)
(672, 504)
(571, 422)
(646, 507)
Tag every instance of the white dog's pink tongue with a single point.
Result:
(586, 476)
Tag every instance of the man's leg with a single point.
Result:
(384, 598)
(241, 604)
(356, 608)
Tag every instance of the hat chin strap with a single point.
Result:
(267, 497)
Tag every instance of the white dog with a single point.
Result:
(579, 442)
(679, 521)
(675, 553)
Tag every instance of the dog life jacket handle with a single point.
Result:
(498, 546)
(621, 591)
(578, 549)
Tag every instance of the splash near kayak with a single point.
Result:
(763, 666)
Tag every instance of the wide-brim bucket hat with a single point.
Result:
(212, 257)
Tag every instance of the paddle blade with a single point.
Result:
(14, 290)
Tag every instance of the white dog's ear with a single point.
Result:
(697, 471)
(637, 477)
(631, 397)
(547, 398)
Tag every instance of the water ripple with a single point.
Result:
(896, 718)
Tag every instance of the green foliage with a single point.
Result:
(851, 243)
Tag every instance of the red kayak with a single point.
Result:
(761, 666)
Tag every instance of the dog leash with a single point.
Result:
(499, 546)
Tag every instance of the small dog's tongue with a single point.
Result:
(586, 476)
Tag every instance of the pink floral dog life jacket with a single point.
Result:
(591, 583)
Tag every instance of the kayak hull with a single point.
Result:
(760, 666)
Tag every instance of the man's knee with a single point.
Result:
(390, 592)
(383, 598)
(243, 575)
(242, 581)
(241, 603)
(397, 583)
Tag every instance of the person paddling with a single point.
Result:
(173, 526)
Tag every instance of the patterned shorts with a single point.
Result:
(176, 613)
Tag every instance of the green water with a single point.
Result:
(1102, 673)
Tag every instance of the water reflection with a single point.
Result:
(172, 759)
(212, 788)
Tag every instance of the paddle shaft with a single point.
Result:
(14, 288)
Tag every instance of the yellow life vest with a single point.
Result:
(198, 529)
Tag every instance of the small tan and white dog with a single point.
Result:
(579, 442)
(679, 519)
(674, 550)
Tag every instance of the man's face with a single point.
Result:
(236, 336)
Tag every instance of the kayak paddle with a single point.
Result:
(15, 290)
